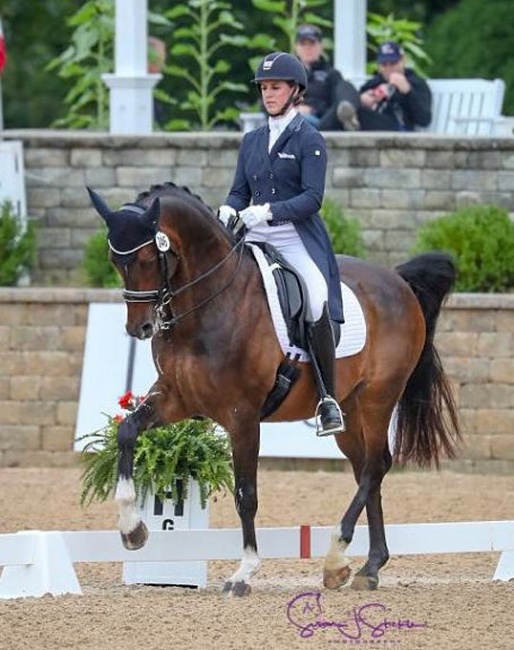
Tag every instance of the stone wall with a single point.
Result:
(392, 182)
(42, 335)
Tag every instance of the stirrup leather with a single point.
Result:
(334, 427)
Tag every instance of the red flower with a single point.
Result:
(127, 401)
(119, 418)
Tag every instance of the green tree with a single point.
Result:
(35, 32)
(203, 28)
(475, 40)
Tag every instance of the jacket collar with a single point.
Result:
(293, 127)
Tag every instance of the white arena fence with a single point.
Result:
(41, 562)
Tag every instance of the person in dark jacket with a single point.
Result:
(394, 99)
(326, 88)
(277, 192)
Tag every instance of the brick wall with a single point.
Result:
(42, 335)
(393, 183)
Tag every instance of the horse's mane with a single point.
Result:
(183, 192)
(171, 189)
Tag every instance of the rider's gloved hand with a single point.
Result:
(255, 214)
(225, 213)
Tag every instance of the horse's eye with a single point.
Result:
(149, 261)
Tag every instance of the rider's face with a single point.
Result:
(275, 94)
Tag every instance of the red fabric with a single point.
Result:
(3, 54)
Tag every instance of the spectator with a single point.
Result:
(326, 87)
(395, 99)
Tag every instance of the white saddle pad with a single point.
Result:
(353, 330)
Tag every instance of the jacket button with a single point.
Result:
(257, 192)
(255, 177)
(273, 190)
(270, 176)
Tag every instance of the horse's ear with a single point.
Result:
(151, 216)
(99, 204)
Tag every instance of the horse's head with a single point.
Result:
(144, 257)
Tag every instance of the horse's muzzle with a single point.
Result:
(142, 331)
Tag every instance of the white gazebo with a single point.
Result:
(131, 87)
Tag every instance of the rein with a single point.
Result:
(166, 294)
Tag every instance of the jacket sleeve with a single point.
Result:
(418, 102)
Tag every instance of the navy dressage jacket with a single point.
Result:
(291, 177)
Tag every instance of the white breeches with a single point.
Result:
(287, 241)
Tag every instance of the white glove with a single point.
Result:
(255, 214)
(225, 213)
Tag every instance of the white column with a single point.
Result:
(350, 39)
(131, 100)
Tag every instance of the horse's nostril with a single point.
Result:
(146, 330)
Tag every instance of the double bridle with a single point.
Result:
(165, 294)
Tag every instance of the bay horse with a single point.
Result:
(196, 290)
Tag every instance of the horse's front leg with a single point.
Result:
(245, 452)
(134, 532)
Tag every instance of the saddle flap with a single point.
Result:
(292, 293)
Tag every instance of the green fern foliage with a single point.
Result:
(164, 456)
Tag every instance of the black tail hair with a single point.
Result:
(427, 423)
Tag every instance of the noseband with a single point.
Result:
(165, 294)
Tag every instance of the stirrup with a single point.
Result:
(334, 428)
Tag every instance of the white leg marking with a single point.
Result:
(249, 565)
(126, 498)
(336, 558)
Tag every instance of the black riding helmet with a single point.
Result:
(282, 66)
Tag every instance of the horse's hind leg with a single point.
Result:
(369, 467)
(367, 577)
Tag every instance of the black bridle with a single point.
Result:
(165, 294)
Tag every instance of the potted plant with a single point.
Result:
(177, 467)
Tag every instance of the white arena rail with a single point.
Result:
(40, 562)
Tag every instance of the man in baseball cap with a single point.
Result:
(309, 32)
(396, 98)
(326, 88)
(389, 52)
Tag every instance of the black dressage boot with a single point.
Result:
(322, 352)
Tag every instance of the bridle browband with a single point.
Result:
(165, 294)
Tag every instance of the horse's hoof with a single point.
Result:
(136, 539)
(336, 578)
(238, 589)
(365, 583)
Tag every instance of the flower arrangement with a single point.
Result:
(164, 458)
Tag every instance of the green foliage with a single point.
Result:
(481, 239)
(475, 40)
(163, 456)
(89, 55)
(403, 31)
(85, 60)
(17, 247)
(97, 267)
(344, 231)
(286, 17)
(34, 32)
(203, 28)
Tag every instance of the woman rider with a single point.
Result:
(278, 190)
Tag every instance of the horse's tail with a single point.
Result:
(427, 424)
